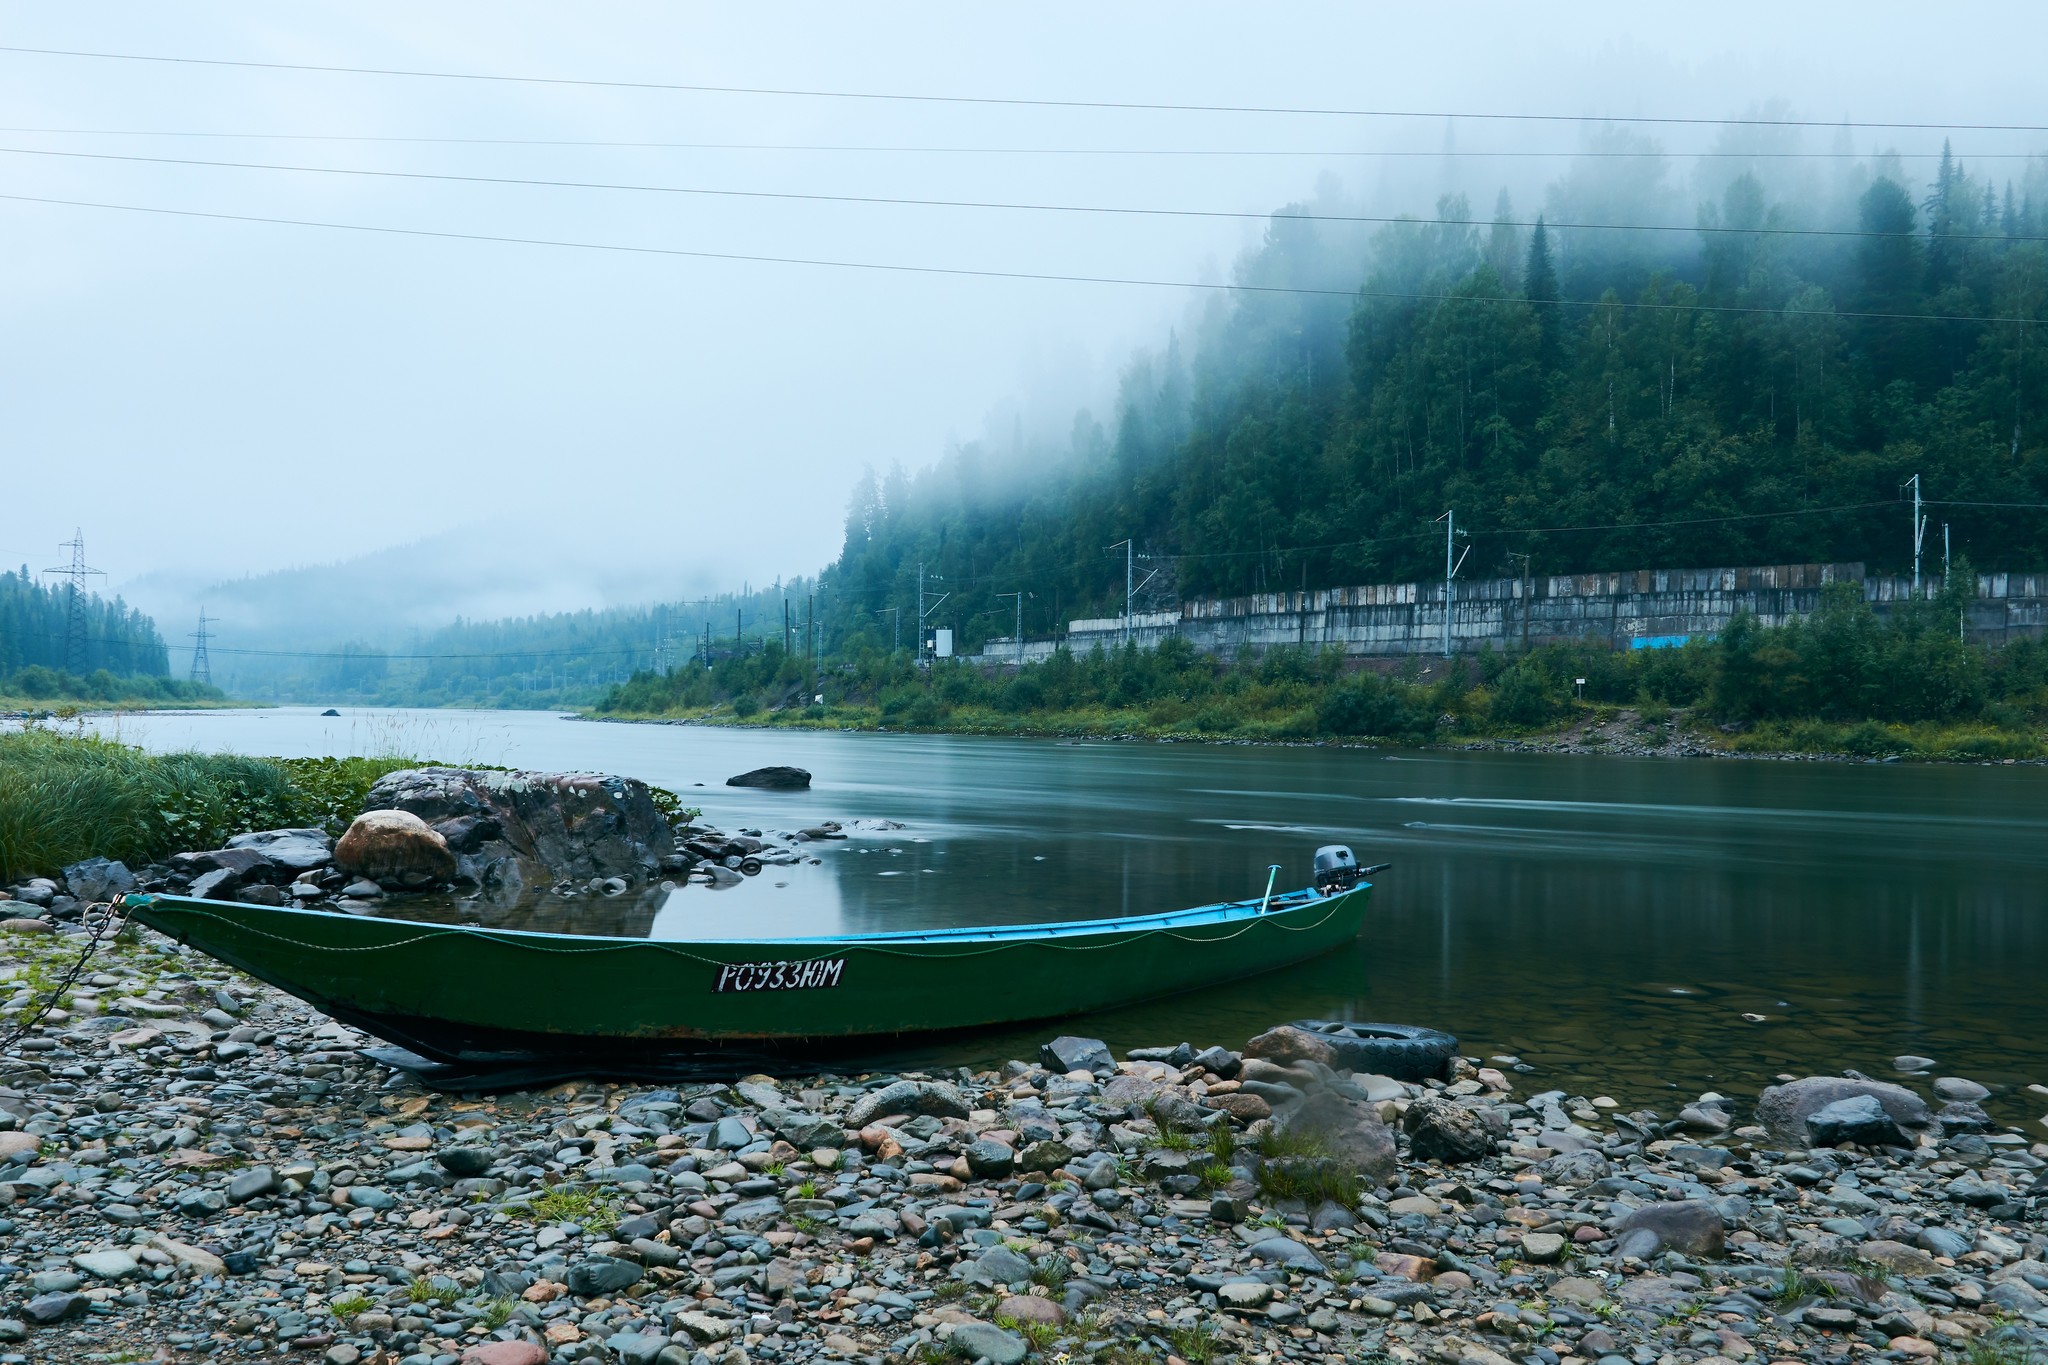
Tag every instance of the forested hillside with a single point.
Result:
(1755, 389)
(123, 658)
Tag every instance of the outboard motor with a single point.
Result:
(1336, 869)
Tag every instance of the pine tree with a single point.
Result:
(1539, 286)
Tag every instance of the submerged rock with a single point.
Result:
(773, 779)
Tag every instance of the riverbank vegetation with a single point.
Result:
(67, 797)
(1844, 681)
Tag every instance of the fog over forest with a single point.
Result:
(341, 441)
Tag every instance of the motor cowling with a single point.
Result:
(1336, 869)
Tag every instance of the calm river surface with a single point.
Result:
(1608, 920)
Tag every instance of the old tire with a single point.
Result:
(1402, 1051)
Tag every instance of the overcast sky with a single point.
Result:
(210, 398)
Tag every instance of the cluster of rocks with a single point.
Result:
(195, 1167)
(484, 836)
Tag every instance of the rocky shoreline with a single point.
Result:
(196, 1167)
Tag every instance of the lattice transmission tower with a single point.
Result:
(202, 666)
(76, 572)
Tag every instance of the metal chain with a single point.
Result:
(107, 924)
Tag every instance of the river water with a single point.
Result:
(1610, 921)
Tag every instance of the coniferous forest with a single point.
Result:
(121, 656)
(1756, 389)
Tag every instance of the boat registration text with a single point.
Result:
(781, 976)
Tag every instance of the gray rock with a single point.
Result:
(1963, 1116)
(1285, 1251)
(1573, 1169)
(1350, 1130)
(1069, 1053)
(1246, 1295)
(601, 1275)
(802, 1130)
(535, 828)
(1441, 1130)
(465, 1161)
(1098, 1170)
(1220, 1060)
(45, 1309)
(998, 1266)
(989, 1159)
(370, 1197)
(107, 1265)
(753, 1213)
(981, 1341)
(295, 850)
(215, 885)
(1909, 1062)
(781, 779)
(1860, 1119)
(636, 1348)
(1048, 1155)
(731, 1134)
(1783, 1110)
(253, 1183)
(1957, 1088)
(1691, 1227)
(99, 879)
(935, 1098)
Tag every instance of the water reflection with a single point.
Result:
(1611, 920)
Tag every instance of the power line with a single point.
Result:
(1016, 101)
(1456, 153)
(967, 273)
(893, 201)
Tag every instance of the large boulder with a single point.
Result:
(511, 830)
(395, 846)
(1351, 1131)
(1783, 1110)
(1443, 1130)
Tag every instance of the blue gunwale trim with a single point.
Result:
(1224, 912)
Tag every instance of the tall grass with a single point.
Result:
(63, 798)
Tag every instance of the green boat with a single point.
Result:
(462, 994)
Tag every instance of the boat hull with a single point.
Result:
(454, 993)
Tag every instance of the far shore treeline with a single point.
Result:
(1759, 393)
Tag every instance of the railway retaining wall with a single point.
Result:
(1637, 609)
